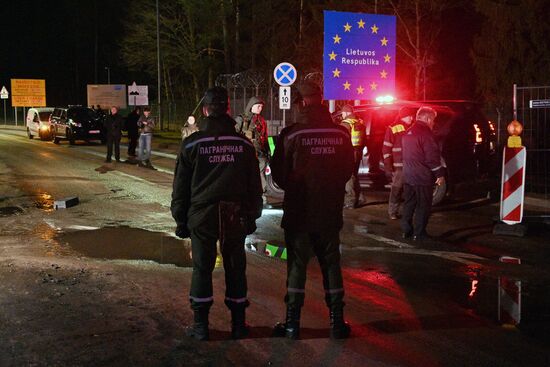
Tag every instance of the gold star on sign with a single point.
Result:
(374, 28)
(361, 24)
(336, 73)
(332, 56)
(373, 86)
(387, 58)
(360, 90)
(347, 27)
(384, 41)
(337, 39)
(384, 74)
(346, 85)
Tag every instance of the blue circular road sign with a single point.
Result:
(285, 74)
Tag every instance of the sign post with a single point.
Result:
(4, 94)
(285, 75)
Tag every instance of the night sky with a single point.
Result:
(55, 40)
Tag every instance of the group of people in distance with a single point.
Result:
(140, 129)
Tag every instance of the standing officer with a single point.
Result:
(354, 196)
(217, 195)
(313, 160)
(393, 157)
(113, 129)
(421, 169)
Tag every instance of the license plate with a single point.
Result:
(94, 131)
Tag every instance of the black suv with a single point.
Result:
(466, 137)
(76, 123)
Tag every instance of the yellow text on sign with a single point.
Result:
(28, 87)
(28, 101)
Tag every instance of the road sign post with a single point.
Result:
(4, 94)
(285, 75)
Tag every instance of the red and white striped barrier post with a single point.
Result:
(509, 297)
(513, 177)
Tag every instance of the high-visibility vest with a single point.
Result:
(358, 135)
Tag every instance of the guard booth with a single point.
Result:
(532, 109)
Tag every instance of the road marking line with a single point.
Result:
(459, 257)
(363, 230)
(103, 155)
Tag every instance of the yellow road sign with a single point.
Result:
(28, 101)
(28, 92)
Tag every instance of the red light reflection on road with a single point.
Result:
(384, 299)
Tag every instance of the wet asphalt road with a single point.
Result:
(410, 304)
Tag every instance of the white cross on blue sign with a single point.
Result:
(285, 74)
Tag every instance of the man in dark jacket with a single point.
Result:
(313, 160)
(133, 131)
(113, 129)
(421, 169)
(217, 195)
(252, 124)
(392, 151)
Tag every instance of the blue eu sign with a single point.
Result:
(359, 56)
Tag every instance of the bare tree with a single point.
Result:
(419, 27)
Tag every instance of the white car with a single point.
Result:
(38, 122)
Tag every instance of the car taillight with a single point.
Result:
(479, 138)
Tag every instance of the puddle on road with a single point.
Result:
(125, 243)
(507, 301)
(8, 211)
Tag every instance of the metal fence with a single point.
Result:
(532, 109)
(242, 86)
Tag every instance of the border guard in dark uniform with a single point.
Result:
(422, 169)
(217, 195)
(312, 162)
(392, 151)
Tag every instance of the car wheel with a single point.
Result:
(70, 136)
(29, 133)
(439, 193)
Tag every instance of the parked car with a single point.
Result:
(467, 139)
(76, 123)
(38, 122)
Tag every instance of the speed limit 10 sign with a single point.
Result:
(284, 98)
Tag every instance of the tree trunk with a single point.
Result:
(210, 63)
(237, 36)
(418, 62)
(226, 49)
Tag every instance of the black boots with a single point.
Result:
(339, 329)
(239, 328)
(199, 330)
(291, 327)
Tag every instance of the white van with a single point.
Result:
(38, 122)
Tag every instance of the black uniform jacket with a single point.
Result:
(113, 125)
(215, 164)
(421, 156)
(313, 159)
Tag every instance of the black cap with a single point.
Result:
(216, 95)
(309, 89)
